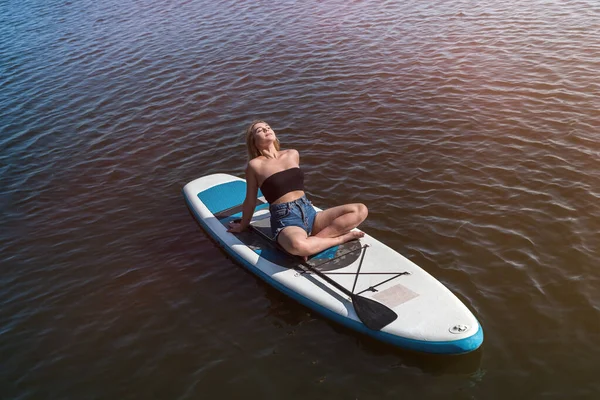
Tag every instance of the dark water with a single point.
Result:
(470, 129)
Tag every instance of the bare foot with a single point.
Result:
(351, 236)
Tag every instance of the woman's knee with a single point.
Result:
(362, 211)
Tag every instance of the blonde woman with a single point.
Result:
(294, 223)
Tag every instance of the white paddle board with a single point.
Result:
(430, 318)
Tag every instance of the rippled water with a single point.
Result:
(470, 129)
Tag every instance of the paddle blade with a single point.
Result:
(373, 314)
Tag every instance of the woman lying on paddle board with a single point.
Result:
(294, 223)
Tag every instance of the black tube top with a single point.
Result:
(282, 182)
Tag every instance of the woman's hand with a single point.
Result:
(235, 227)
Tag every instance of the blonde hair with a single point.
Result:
(253, 151)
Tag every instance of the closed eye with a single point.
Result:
(261, 129)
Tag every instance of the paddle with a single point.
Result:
(373, 314)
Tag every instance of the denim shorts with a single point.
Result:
(299, 213)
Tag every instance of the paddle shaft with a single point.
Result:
(327, 279)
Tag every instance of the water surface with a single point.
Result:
(469, 129)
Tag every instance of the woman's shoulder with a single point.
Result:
(254, 164)
(291, 153)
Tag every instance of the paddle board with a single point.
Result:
(430, 317)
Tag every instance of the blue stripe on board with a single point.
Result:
(327, 254)
(226, 195)
(443, 347)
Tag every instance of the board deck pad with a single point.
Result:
(260, 240)
(395, 295)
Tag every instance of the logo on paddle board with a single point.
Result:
(459, 329)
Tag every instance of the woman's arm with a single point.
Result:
(249, 203)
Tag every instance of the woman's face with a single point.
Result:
(263, 134)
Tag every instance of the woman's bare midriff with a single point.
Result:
(291, 196)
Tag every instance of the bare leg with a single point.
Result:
(295, 241)
(331, 227)
(340, 220)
